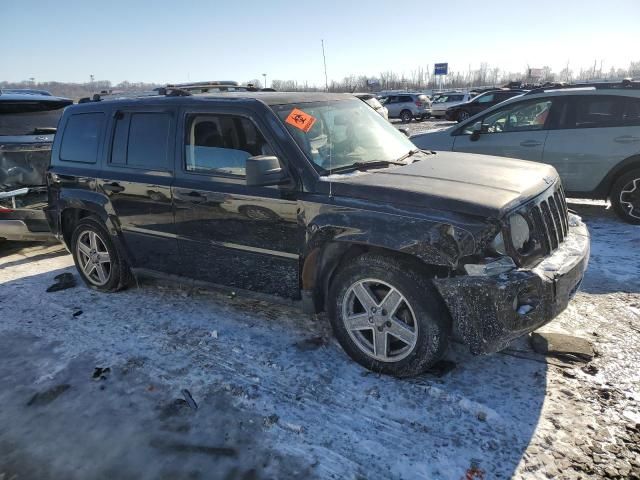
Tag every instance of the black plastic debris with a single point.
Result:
(101, 373)
(77, 313)
(63, 282)
(189, 399)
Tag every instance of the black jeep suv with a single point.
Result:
(316, 197)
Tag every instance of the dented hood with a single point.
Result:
(467, 183)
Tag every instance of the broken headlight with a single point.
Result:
(520, 233)
(498, 244)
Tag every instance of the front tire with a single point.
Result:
(97, 259)
(406, 116)
(625, 197)
(387, 316)
(463, 115)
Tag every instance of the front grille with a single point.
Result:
(550, 219)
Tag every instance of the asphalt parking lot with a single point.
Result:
(164, 381)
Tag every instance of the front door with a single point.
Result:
(518, 130)
(137, 178)
(230, 233)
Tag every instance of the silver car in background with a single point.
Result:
(589, 133)
(444, 101)
(407, 106)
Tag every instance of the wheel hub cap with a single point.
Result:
(379, 320)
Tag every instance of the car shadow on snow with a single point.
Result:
(613, 264)
(276, 396)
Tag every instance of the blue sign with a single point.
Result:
(441, 69)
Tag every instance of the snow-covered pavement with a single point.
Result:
(277, 397)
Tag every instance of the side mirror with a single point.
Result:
(264, 171)
(405, 131)
(477, 130)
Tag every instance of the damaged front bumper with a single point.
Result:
(488, 312)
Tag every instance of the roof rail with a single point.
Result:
(626, 83)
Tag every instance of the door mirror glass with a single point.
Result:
(264, 171)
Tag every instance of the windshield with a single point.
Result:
(337, 134)
(449, 98)
(29, 118)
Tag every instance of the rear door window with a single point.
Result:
(81, 137)
(142, 140)
(598, 111)
(631, 115)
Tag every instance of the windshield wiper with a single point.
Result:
(408, 154)
(365, 166)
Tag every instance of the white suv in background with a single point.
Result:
(407, 106)
(446, 100)
(590, 133)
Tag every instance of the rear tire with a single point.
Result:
(625, 197)
(406, 116)
(99, 263)
(401, 329)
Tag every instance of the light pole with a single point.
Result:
(265, 80)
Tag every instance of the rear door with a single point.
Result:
(393, 106)
(230, 233)
(137, 178)
(596, 133)
(518, 130)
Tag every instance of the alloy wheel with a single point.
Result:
(630, 198)
(379, 320)
(93, 258)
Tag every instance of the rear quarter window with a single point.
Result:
(80, 138)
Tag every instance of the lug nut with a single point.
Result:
(388, 323)
(380, 329)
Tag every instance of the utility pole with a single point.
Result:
(324, 59)
(264, 75)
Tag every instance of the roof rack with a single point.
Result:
(156, 92)
(626, 83)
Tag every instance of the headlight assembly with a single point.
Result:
(520, 232)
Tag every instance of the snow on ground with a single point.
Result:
(277, 397)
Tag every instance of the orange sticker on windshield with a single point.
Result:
(301, 120)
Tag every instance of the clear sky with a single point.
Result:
(162, 41)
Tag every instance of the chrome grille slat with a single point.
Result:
(551, 226)
(541, 227)
(555, 212)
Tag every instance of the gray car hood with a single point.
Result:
(467, 183)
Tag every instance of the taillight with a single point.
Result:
(5, 209)
(418, 104)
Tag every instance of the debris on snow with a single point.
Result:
(48, 396)
(100, 373)
(189, 399)
(62, 282)
(565, 347)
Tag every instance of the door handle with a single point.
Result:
(530, 143)
(627, 139)
(112, 187)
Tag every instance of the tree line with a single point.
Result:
(419, 79)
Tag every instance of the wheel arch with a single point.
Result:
(603, 190)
